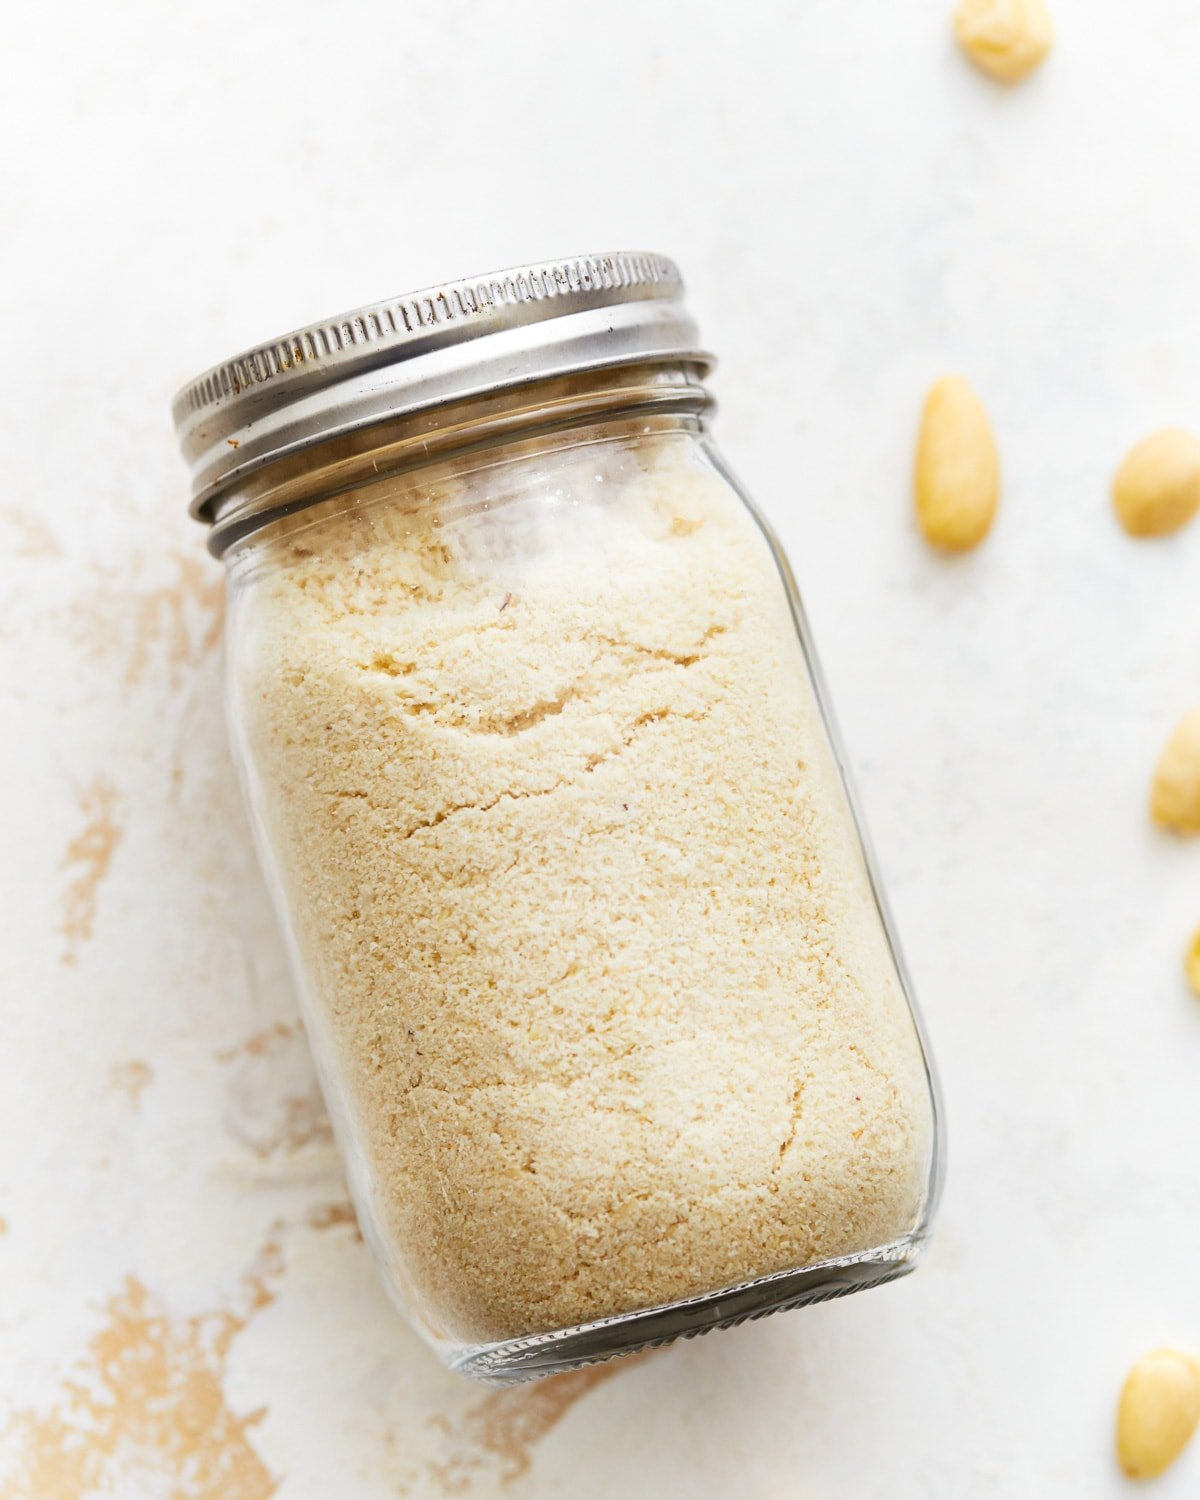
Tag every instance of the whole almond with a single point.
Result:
(1158, 1412)
(1191, 963)
(1157, 488)
(1007, 39)
(1175, 790)
(957, 474)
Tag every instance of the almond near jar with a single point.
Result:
(608, 1018)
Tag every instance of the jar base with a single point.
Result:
(510, 1361)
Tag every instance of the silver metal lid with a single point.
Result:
(442, 344)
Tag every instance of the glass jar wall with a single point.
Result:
(606, 1009)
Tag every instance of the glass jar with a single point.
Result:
(608, 1015)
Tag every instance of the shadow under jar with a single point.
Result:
(608, 1017)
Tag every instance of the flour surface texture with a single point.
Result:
(606, 1011)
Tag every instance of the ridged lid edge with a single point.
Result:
(431, 315)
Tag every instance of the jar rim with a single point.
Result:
(425, 349)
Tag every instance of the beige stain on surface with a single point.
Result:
(144, 1409)
(494, 1442)
(302, 1122)
(131, 1078)
(172, 627)
(260, 1044)
(275, 1105)
(334, 1216)
(31, 537)
(87, 858)
(184, 616)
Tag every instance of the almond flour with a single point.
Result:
(590, 944)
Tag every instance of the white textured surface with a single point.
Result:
(856, 211)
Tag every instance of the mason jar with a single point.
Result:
(603, 994)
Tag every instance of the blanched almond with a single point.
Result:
(1157, 488)
(1175, 790)
(957, 475)
(1158, 1412)
(1007, 39)
(1191, 963)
